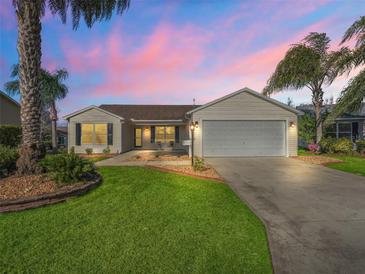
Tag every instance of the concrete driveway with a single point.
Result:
(315, 216)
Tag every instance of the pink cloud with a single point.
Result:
(174, 60)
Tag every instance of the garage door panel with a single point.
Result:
(243, 138)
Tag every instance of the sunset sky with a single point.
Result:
(169, 52)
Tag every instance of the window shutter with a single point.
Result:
(110, 134)
(177, 134)
(153, 129)
(78, 134)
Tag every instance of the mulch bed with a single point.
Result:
(97, 155)
(318, 160)
(27, 192)
(27, 186)
(209, 173)
(153, 157)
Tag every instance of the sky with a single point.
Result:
(169, 52)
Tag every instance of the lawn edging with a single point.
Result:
(184, 173)
(48, 198)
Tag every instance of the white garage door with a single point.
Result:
(243, 138)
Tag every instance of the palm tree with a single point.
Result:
(29, 13)
(51, 89)
(307, 64)
(353, 94)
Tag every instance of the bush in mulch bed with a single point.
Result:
(68, 168)
(8, 157)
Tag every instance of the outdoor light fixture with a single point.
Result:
(291, 124)
(193, 126)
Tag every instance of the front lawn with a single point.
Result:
(351, 164)
(138, 221)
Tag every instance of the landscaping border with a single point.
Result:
(48, 198)
(166, 169)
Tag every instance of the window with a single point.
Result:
(96, 134)
(170, 134)
(160, 134)
(87, 134)
(101, 134)
(165, 134)
(344, 130)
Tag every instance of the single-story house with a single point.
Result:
(243, 123)
(9, 110)
(349, 125)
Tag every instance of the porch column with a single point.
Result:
(337, 127)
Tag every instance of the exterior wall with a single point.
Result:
(94, 116)
(245, 106)
(9, 112)
(127, 137)
(146, 140)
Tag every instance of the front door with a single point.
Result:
(138, 137)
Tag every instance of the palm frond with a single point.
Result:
(351, 97)
(299, 67)
(320, 42)
(12, 87)
(90, 10)
(14, 71)
(356, 30)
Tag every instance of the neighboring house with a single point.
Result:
(9, 110)
(62, 137)
(348, 125)
(243, 123)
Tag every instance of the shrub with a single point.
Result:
(314, 148)
(8, 157)
(343, 145)
(360, 146)
(199, 164)
(328, 144)
(10, 135)
(106, 150)
(68, 168)
(89, 151)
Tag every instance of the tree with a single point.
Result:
(307, 64)
(51, 89)
(307, 128)
(353, 94)
(29, 13)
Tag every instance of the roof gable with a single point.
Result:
(8, 98)
(89, 108)
(252, 92)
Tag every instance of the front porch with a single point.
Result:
(160, 136)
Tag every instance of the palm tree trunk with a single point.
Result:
(53, 116)
(317, 99)
(29, 50)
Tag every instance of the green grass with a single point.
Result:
(351, 164)
(97, 159)
(138, 221)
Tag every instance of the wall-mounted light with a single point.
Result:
(291, 124)
(194, 125)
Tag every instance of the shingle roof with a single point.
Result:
(149, 112)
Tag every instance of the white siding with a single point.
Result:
(245, 106)
(94, 116)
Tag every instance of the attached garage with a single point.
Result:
(243, 138)
(245, 124)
